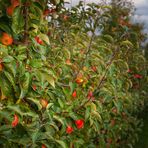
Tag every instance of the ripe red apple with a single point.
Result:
(1, 67)
(65, 17)
(44, 103)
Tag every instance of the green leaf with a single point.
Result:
(127, 43)
(37, 102)
(37, 4)
(59, 119)
(54, 126)
(108, 38)
(72, 87)
(121, 64)
(5, 128)
(49, 105)
(36, 63)
(15, 108)
(31, 114)
(35, 135)
(97, 115)
(73, 115)
(8, 59)
(17, 21)
(61, 103)
(106, 7)
(5, 27)
(24, 84)
(5, 87)
(44, 37)
(79, 142)
(57, 1)
(10, 78)
(61, 143)
(21, 49)
(11, 67)
(21, 57)
(50, 79)
(87, 113)
(5, 113)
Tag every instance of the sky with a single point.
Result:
(141, 13)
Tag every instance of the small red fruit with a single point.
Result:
(74, 94)
(90, 95)
(43, 146)
(68, 62)
(79, 80)
(38, 40)
(34, 87)
(44, 103)
(15, 121)
(79, 123)
(65, 17)
(114, 110)
(129, 70)
(6, 39)
(69, 129)
(94, 68)
(1, 67)
(137, 76)
(46, 12)
(52, 10)
(10, 10)
(15, 3)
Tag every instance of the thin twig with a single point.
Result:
(107, 68)
(102, 79)
(91, 41)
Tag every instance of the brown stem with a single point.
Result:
(91, 41)
(89, 46)
(106, 69)
(102, 79)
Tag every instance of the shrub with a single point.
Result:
(66, 88)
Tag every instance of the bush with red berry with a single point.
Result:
(63, 84)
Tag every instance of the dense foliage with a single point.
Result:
(66, 79)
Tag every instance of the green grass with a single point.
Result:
(143, 138)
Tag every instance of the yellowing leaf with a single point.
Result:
(44, 37)
(50, 80)
(97, 115)
(127, 43)
(93, 107)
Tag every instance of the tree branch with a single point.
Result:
(102, 79)
(91, 41)
(107, 68)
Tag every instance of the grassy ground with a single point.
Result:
(143, 139)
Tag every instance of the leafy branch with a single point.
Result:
(109, 63)
(91, 41)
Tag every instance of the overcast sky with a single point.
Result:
(141, 10)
